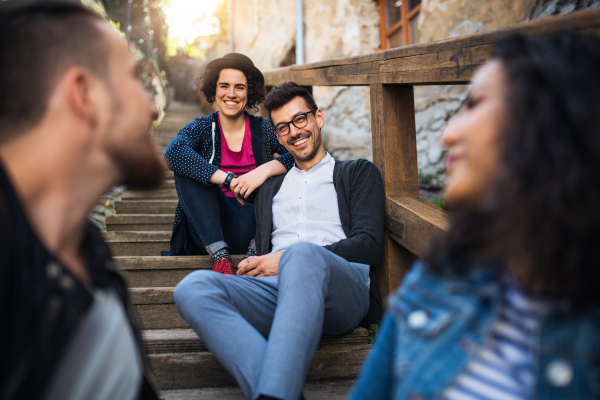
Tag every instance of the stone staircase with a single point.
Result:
(182, 365)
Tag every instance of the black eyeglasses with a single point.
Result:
(299, 121)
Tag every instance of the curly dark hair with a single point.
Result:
(545, 199)
(209, 79)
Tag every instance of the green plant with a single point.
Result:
(373, 328)
(441, 203)
(425, 178)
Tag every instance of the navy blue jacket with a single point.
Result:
(196, 154)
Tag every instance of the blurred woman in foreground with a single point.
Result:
(507, 306)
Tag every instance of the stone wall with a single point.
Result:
(333, 28)
(440, 19)
(265, 31)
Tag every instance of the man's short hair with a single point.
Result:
(38, 42)
(286, 92)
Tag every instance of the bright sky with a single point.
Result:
(188, 19)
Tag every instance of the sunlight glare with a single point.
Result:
(189, 19)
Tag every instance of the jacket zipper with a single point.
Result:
(213, 143)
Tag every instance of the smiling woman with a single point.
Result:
(507, 304)
(219, 160)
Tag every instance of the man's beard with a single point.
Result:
(142, 168)
(313, 152)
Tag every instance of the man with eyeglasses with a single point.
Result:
(319, 229)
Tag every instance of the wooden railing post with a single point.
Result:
(261, 109)
(395, 154)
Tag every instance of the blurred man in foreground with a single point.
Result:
(74, 121)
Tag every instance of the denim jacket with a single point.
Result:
(436, 324)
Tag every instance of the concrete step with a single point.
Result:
(159, 194)
(168, 183)
(179, 360)
(324, 390)
(146, 206)
(139, 222)
(138, 243)
(165, 341)
(162, 141)
(157, 271)
(155, 308)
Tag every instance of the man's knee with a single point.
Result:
(196, 285)
(304, 258)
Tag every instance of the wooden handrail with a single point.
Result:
(391, 75)
(449, 61)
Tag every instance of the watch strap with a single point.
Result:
(228, 179)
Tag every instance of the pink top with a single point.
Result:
(238, 162)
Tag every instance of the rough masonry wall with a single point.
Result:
(264, 30)
(440, 19)
(333, 28)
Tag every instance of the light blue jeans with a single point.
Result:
(265, 331)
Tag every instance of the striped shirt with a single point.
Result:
(503, 369)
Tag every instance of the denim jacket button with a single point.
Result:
(559, 373)
(417, 319)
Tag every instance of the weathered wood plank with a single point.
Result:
(394, 138)
(158, 341)
(333, 390)
(422, 221)
(449, 61)
(395, 154)
(192, 370)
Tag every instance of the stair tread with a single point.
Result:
(137, 236)
(173, 262)
(175, 340)
(333, 390)
(118, 219)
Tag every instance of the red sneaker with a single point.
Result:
(224, 266)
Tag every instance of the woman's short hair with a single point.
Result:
(256, 89)
(544, 204)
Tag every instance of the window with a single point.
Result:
(398, 22)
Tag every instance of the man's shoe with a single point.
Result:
(224, 266)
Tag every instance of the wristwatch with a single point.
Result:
(228, 179)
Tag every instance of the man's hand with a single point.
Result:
(267, 265)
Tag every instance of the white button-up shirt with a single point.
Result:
(306, 209)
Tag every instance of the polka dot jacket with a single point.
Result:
(196, 150)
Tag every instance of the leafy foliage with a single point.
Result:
(148, 25)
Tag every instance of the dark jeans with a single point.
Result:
(213, 219)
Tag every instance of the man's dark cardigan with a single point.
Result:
(360, 198)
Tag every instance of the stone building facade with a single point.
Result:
(265, 31)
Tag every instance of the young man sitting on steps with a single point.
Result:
(319, 228)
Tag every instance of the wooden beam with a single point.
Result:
(449, 61)
(395, 261)
(421, 221)
(394, 138)
(395, 154)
